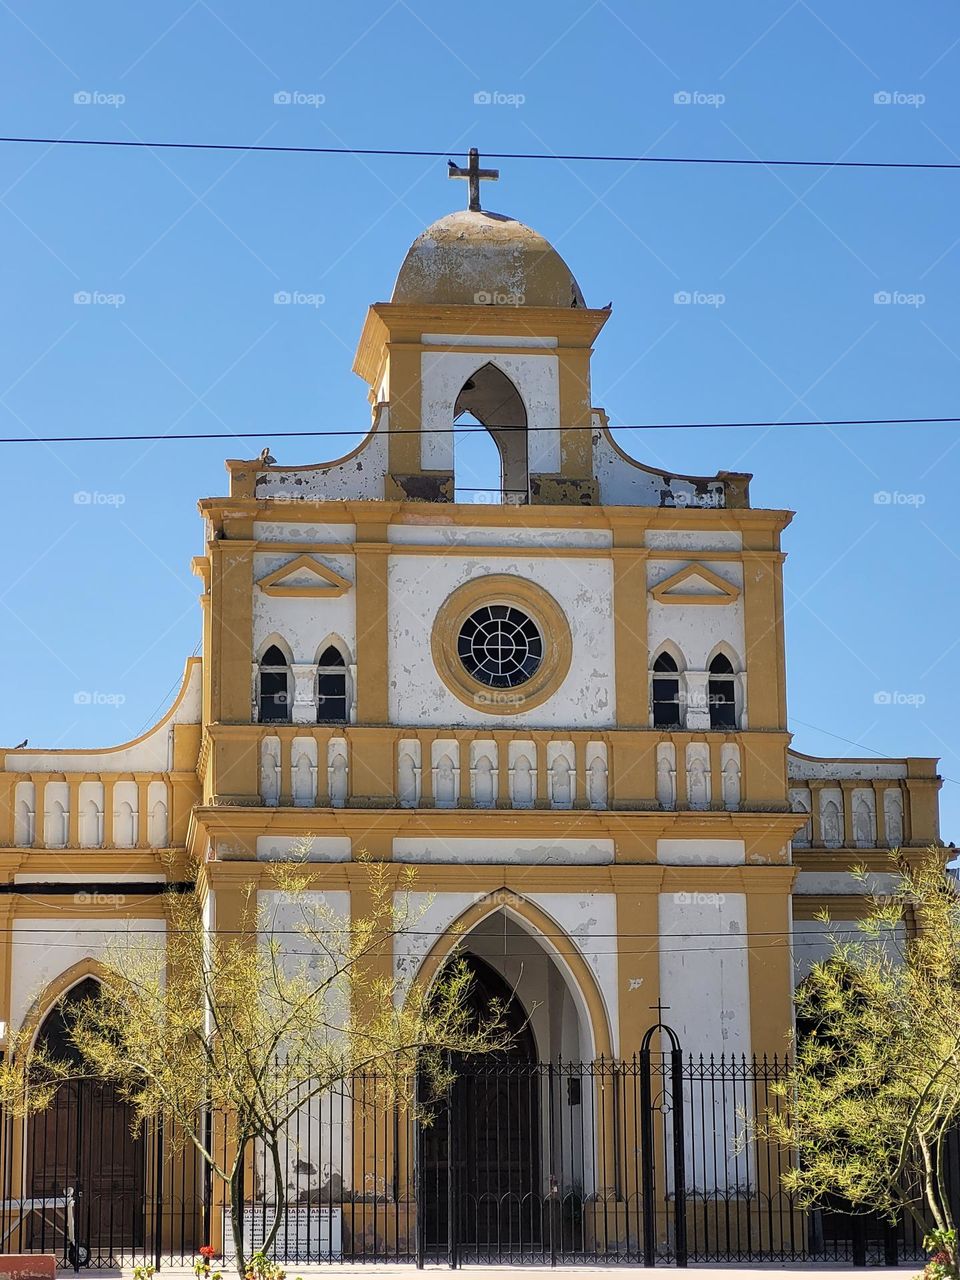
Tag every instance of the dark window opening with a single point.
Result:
(274, 699)
(723, 694)
(331, 687)
(666, 692)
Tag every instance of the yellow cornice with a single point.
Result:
(392, 323)
(111, 864)
(557, 824)
(532, 516)
(489, 877)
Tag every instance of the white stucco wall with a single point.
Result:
(703, 970)
(45, 948)
(303, 531)
(807, 767)
(590, 920)
(304, 622)
(701, 853)
(357, 476)
(704, 982)
(305, 848)
(696, 629)
(429, 530)
(582, 587)
(624, 484)
(482, 849)
(536, 378)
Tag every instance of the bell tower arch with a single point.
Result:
(485, 318)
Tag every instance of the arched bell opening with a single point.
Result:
(489, 398)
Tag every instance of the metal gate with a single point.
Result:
(648, 1160)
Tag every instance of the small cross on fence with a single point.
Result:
(661, 1009)
(474, 175)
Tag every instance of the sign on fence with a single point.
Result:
(305, 1235)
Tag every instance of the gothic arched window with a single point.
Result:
(331, 687)
(665, 686)
(723, 693)
(273, 693)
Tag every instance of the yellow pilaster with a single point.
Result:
(770, 959)
(372, 646)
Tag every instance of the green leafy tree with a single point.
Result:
(874, 1090)
(253, 1025)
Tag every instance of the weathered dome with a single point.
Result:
(481, 258)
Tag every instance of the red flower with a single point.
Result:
(207, 1251)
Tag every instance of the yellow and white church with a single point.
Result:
(566, 707)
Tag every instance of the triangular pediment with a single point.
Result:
(304, 577)
(694, 584)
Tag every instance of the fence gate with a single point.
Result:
(648, 1161)
(541, 1163)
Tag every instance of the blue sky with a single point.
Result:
(185, 251)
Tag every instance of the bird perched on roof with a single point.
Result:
(266, 458)
(21, 745)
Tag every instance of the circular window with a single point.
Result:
(500, 646)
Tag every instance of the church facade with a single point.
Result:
(566, 707)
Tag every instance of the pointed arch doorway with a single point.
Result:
(479, 1156)
(85, 1140)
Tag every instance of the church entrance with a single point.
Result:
(84, 1140)
(479, 1157)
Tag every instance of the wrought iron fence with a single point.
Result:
(650, 1160)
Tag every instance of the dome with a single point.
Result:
(481, 258)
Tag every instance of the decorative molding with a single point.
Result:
(502, 588)
(667, 592)
(329, 584)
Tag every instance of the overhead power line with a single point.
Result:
(488, 155)
(268, 434)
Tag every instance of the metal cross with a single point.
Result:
(661, 1009)
(474, 175)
